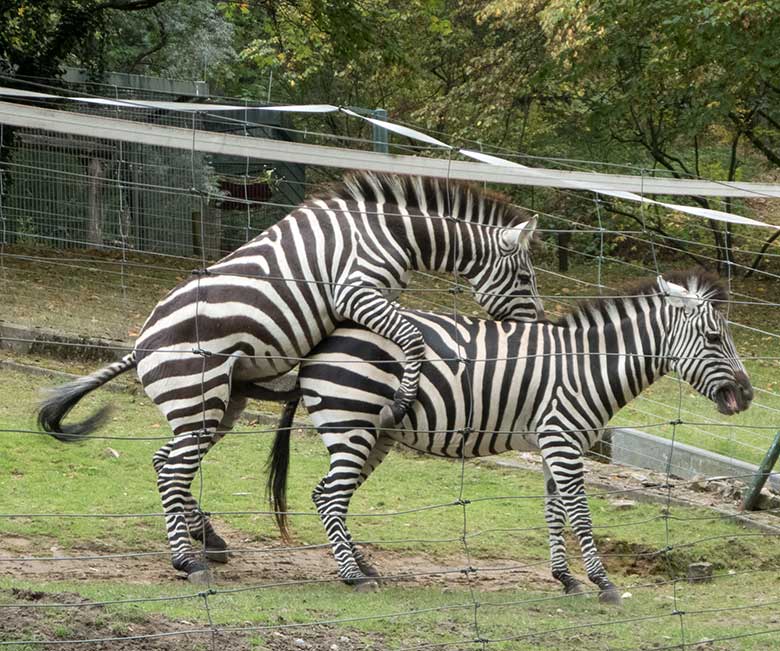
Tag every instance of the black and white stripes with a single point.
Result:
(214, 339)
(528, 386)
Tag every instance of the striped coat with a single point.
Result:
(526, 386)
(217, 337)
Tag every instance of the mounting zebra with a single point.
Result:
(550, 387)
(216, 338)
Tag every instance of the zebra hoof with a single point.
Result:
(200, 577)
(390, 416)
(217, 555)
(369, 570)
(574, 589)
(366, 585)
(611, 597)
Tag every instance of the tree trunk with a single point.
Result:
(563, 251)
(212, 237)
(197, 239)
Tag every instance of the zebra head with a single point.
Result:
(505, 285)
(701, 347)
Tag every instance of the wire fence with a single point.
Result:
(85, 209)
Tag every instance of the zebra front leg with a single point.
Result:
(349, 452)
(367, 306)
(555, 515)
(564, 460)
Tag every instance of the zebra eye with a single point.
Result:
(713, 337)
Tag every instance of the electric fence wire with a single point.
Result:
(470, 570)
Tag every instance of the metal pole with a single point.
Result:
(380, 134)
(764, 470)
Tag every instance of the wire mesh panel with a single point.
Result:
(112, 226)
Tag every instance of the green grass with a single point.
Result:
(405, 616)
(41, 475)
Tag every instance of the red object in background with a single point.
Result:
(238, 193)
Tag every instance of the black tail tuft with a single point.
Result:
(277, 465)
(60, 401)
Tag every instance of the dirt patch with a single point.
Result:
(266, 563)
(94, 623)
(632, 559)
(132, 632)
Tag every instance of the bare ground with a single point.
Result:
(270, 564)
(252, 565)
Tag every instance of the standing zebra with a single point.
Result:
(528, 386)
(214, 339)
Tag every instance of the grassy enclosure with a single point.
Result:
(107, 205)
(408, 514)
(505, 539)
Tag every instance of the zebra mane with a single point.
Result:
(428, 194)
(704, 284)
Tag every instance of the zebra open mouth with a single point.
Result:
(731, 399)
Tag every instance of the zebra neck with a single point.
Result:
(629, 342)
(440, 243)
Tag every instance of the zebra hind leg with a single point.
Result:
(198, 524)
(332, 496)
(566, 469)
(382, 446)
(174, 477)
(214, 546)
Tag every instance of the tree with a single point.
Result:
(39, 36)
(664, 77)
(183, 39)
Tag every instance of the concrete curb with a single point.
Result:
(44, 341)
(645, 495)
(632, 447)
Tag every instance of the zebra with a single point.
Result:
(221, 335)
(550, 387)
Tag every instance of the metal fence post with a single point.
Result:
(764, 470)
(380, 134)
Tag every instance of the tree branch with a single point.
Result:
(772, 156)
(760, 255)
(127, 5)
(155, 48)
(657, 229)
(769, 119)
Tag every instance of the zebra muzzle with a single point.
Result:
(734, 397)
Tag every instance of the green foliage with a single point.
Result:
(682, 87)
(657, 73)
(39, 36)
(180, 38)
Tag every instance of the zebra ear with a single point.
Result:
(678, 296)
(519, 237)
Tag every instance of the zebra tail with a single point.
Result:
(277, 466)
(60, 400)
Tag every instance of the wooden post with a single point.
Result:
(751, 497)
(197, 239)
(95, 219)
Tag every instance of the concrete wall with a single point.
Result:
(636, 448)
